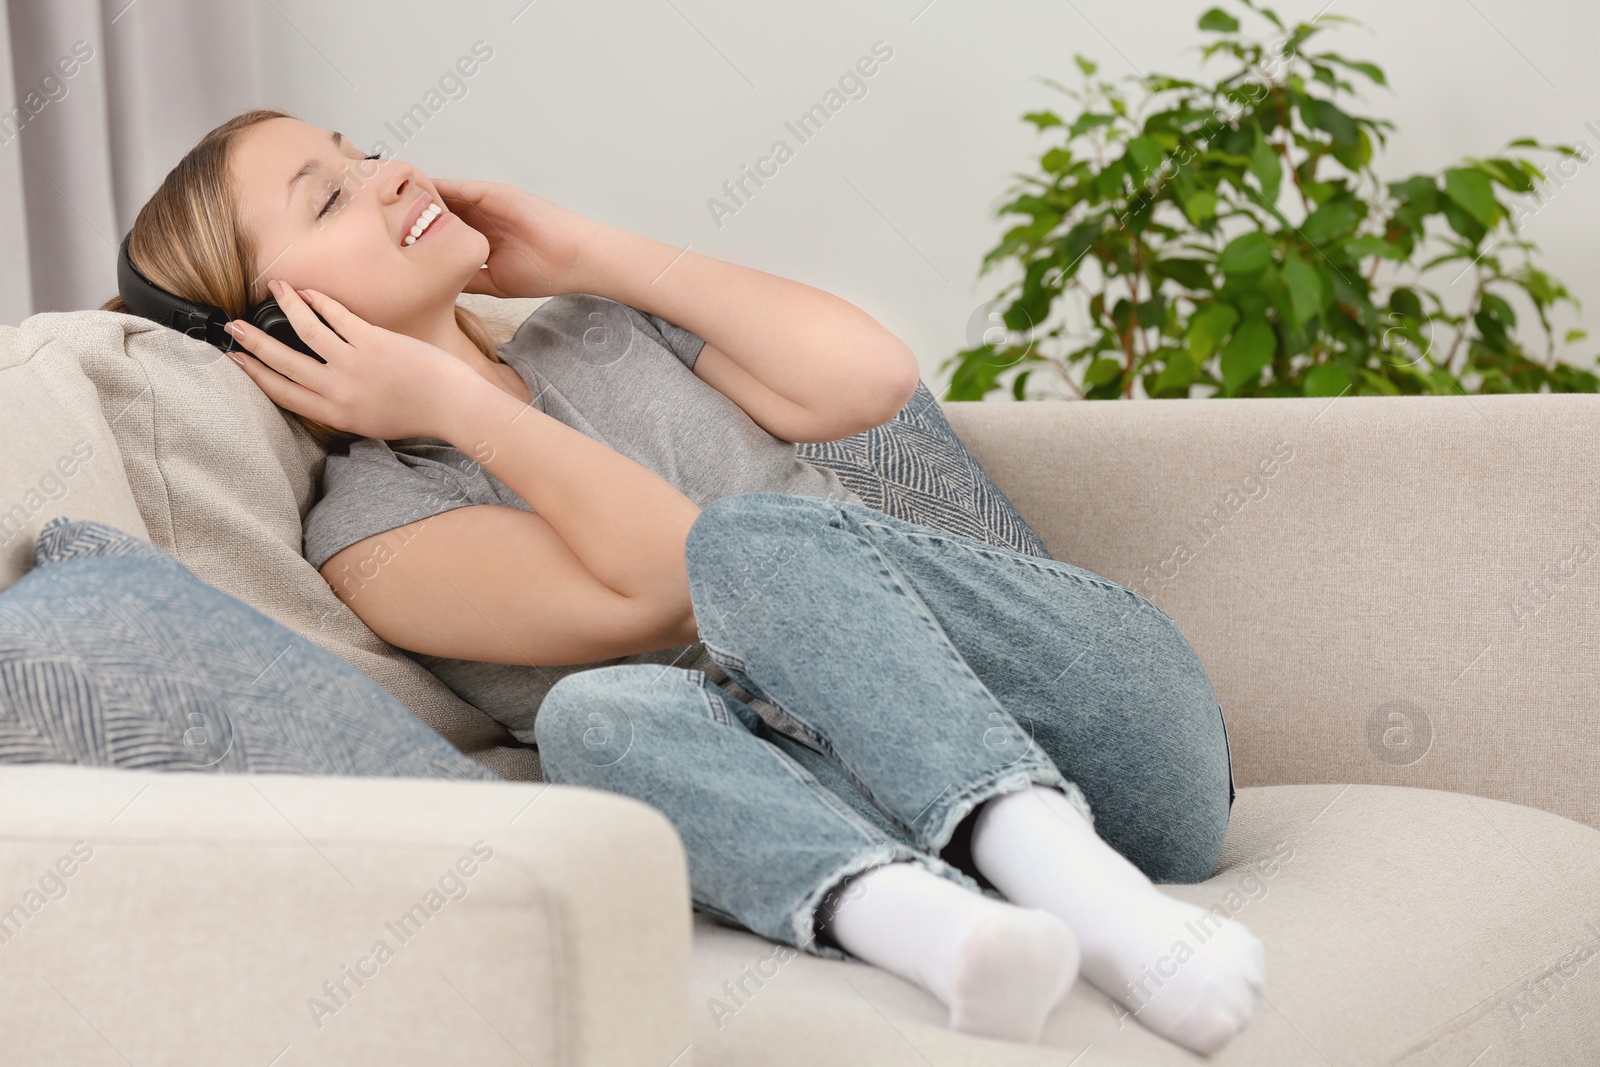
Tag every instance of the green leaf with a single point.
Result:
(1189, 273)
(1267, 166)
(1470, 189)
(1543, 288)
(1071, 249)
(1305, 289)
(1507, 174)
(1326, 379)
(1208, 328)
(1325, 115)
(1088, 121)
(1200, 207)
(1179, 373)
(1329, 222)
(1265, 12)
(1462, 221)
(1056, 160)
(1218, 21)
(1246, 254)
(1359, 66)
(1378, 382)
(1419, 194)
(1042, 119)
(1368, 245)
(1354, 156)
(1495, 306)
(1247, 353)
(1087, 65)
(1109, 182)
(1405, 303)
(1101, 371)
(1147, 155)
(1039, 289)
(1151, 313)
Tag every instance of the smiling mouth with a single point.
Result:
(424, 223)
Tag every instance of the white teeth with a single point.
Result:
(429, 213)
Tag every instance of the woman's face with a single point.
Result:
(353, 250)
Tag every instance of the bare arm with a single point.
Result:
(623, 522)
(805, 364)
(619, 523)
(494, 584)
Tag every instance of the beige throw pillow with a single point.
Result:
(222, 479)
(60, 455)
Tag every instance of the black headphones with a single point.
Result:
(203, 321)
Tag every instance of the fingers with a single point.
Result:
(345, 323)
(282, 391)
(312, 330)
(272, 354)
(468, 199)
(462, 190)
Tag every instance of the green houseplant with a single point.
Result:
(1232, 235)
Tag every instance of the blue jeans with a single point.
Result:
(914, 674)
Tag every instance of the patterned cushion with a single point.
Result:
(915, 468)
(112, 653)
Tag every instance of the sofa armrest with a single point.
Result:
(1384, 590)
(284, 919)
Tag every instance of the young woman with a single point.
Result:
(891, 742)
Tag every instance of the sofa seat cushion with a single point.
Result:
(1403, 926)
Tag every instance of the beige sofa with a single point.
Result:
(1398, 601)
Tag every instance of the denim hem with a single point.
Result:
(803, 921)
(1039, 774)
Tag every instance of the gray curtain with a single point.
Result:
(98, 100)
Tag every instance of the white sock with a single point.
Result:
(999, 968)
(1034, 846)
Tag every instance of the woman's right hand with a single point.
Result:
(375, 383)
(536, 247)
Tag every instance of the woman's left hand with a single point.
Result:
(536, 247)
(372, 382)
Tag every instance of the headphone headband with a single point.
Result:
(204, 322)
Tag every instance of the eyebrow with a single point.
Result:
(308, 166)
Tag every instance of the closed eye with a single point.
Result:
(335, 196)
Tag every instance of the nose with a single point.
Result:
(396, 180)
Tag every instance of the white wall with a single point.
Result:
(635, 112)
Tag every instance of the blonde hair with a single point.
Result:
(188, 240)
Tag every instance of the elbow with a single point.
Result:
(876, 396)
(901, 376)
(878, 402)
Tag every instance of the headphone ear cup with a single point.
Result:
(270, 319)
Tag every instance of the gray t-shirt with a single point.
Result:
(619, 375)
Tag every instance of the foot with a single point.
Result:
(1009, 974)
(999, 968)
(1179, 969)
